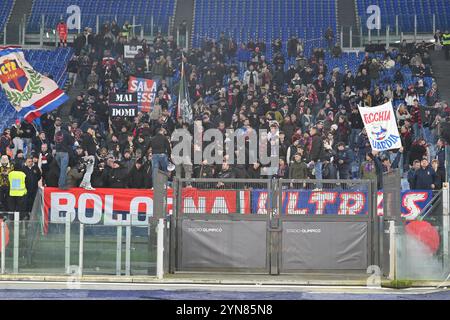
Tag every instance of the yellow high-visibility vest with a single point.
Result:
(446, 39)
(17, 187)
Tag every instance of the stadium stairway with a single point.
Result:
(346, 17)
(184, 10)
(441, 70)
(21, 8)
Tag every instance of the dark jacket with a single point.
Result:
(298, 170)
(160, 145)
(73, 177)
(118, 178)
(136, 178)
(52, 177)
(33, 175)
(317, 149)
(345, 157)
(89, 145)
(63, 141)
(423, 179)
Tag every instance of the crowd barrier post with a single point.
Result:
(392, 250)
(151, 26)
(396, 26)
(134, 25)
(446, 223)
(351, 37)
(3, 239)
(119, 251)
(160, 249)
(41, 31)
(415, 28)
(81, 249)
(16, 242)
(127, 250)
(67, 243)
(434, 23)
(388, 30)
(24, 23)
(97, 23)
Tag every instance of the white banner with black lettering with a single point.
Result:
(131, 51)
(381, 127)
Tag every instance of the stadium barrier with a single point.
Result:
(78, 245)
(274, 226)
(211, 225)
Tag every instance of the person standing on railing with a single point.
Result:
(89, 143)
(161, 150)
(63, 145)
(62, 30)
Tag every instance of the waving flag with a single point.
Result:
(381, 127)
(184, 109)
(29, 92)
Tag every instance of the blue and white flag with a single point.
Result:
(29, 92)
(381, 127)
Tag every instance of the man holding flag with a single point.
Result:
(29, 92)
(381, 127)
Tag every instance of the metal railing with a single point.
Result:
(39, 247)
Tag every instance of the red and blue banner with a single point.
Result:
(29, 92)
(146, 92)
(305, 202)
(135, 206)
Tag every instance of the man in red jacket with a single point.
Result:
(62, 32)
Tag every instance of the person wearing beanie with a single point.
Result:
(137, 176)
(63, 146)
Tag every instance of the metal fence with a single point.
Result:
(73, 248)
(273, 226)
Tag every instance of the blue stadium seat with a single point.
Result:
(406, 10)
(107, 10)
(268, 19)
(5, 11)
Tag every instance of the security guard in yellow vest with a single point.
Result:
(17, 191)
(446, 44)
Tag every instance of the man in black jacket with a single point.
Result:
(316, 154)
(425, 177)
(33, 175)
(118, 176)
(161, 151)
(343, 161)
(137, 175)
(63, 146)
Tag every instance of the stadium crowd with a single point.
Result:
(312, 110)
